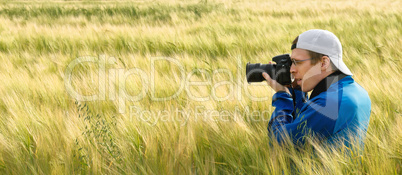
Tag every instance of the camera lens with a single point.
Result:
(254, 72)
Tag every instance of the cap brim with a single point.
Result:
(343, 68)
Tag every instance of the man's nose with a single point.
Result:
(292, 69)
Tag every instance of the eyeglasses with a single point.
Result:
(298, 61)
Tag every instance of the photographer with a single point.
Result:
(337, 108)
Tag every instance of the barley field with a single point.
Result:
(159, 87)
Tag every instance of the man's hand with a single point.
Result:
(274, 84)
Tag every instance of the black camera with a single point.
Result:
(279, 71)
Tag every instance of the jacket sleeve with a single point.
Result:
(299, 99)
(307, 119)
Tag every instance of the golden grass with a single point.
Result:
(214, 127)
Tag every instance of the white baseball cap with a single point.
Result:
(323, 42)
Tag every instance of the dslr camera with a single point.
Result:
(279, 71)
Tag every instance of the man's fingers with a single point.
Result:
(266, 76)
(274, 85)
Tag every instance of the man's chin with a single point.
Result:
(306, 89)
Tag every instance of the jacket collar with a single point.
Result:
(325, 83)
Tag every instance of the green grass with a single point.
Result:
(44, 131)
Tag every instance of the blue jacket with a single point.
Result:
(341, 109)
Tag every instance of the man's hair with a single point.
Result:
(315, 57)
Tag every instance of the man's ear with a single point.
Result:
(325, 63)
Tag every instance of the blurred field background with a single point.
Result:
(44, 130)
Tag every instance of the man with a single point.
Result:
(337, 108)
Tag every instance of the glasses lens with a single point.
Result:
(294, 62)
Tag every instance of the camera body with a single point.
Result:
(279, 71)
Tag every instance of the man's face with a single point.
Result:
(306, 75)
